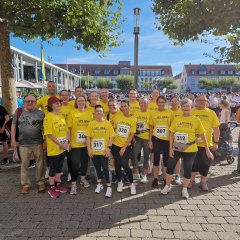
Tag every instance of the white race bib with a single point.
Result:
(98, 144)
(123, 130)
(161, 131)
(81, 138)
(181, 137)
(141, 126)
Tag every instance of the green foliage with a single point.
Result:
(168, 83)
(222, 83)
(196, 20)
(125, 82)
(147, 84)
(36, 92)
(92, 24)
(104, 83)
(86, 82)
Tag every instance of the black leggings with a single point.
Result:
(56, 164)
(160, 147)
(79, 157)
(122, 161)
(188, 159)
(100, 163)
(201, 163)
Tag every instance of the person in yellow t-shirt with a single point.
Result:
(100, 134)
(133, 102)
(152, 106)
(79, 91)
(77, 123)
(177, 111)
(160, 122)
(141, 138)
(104, 100)
(125, 127)
(114, 112)
(66, 110)
(92, 99)
(211, 124)
(57, 140)
(43, 101)
(183, 130)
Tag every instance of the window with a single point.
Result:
(115, 71)
(202, 72)
(125, 71)
(106, 71)
(97, 71)
(230, 72)
(212, 72)
(192, 71)
(237, 72)
(222, 72)
(163, 72)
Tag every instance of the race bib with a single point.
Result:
(81, 138)
(61, 140)
(123, 130)
(161, 131)
(98, 145)
(141, 126)
(181, 137)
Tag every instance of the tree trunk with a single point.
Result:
(8, 81)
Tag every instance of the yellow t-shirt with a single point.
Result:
(91, 110)
(134, 107)
(185, 130)
(100, 133)
(42, 103)
(152, 106)
(123, 126)
(209, 120)
(55, 125)
(66, 110)
(72, 103)
(112, 117)
(142, 130)
(78, 122)
(161, 122)
(177, 112)
(105, 106)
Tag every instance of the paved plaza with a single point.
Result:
(147, 215)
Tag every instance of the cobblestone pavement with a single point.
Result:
(147, 215)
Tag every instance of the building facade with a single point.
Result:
(150, 74)
(188, 79)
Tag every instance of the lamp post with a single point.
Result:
(136, 32)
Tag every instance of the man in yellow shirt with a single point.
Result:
(104, 100)
(134, 104)
(43, 101)
(211, 124)
(78, 93)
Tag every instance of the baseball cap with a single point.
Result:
(53, 99)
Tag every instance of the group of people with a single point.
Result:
(113, 135)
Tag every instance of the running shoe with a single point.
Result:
(73, 189)
(108, 192)
(204, 186)
(69, 177)
(144, 179)
(136, 176)
(177, 180)
(120, 187)
(166, 190)
(84, 183)
(60, 188)
(133, 188)
(185, 193)
(99, 188)
(53, 193)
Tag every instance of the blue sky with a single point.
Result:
(154, 47)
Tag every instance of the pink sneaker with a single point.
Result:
(53, 193)
(60, 188)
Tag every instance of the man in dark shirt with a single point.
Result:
(30, 128)
(4, 118)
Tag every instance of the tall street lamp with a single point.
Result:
(136, 32)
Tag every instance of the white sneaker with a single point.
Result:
(84, 183)
(69, 177)
(99, 188)
(133, 188)
(73, 189)
(166, 190)
(108, 192)
(185, 193)
(144, 179)
(120, 187)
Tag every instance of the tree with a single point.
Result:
(228, 83)
(168, 83)
(92, 24)
(104, 83)
(147, 84)
(86, 82)
(207, 84)
(125, 82)
(195, 20)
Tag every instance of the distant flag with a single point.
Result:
(42, 75)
